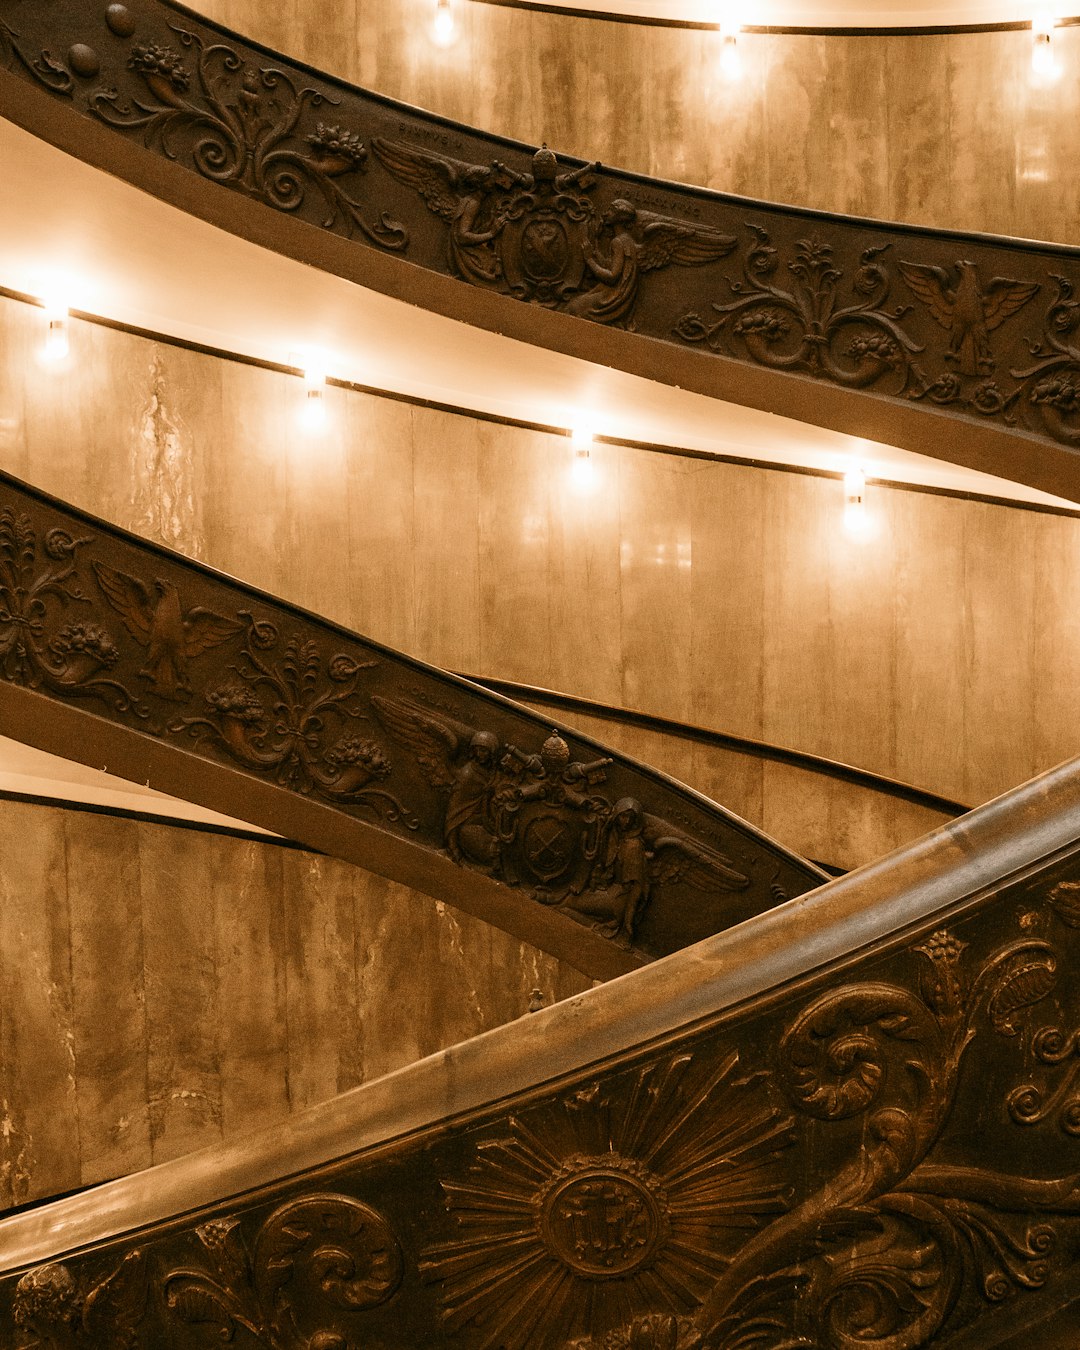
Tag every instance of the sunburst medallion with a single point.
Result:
(609, 1204)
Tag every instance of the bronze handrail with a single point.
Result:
(854, 1113)
(955, 345)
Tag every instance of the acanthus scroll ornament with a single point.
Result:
(53, 74)
(41, 646)
(239, 124)
(894, 1245)
(290, 716)
(806, 328)
(315, 1264)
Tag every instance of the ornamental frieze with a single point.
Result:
(981, 328)
(157, 647)
(853, 1160)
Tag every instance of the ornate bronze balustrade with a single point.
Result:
(851, 1122)
(849, 323)
(125, 656)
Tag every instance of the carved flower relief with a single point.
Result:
(356, 762)
(162, 68)
(336, 149)
(875, 347)
(1059, 391)
(84, 649)
(48, 1305)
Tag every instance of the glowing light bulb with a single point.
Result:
(442, 28)
(56, 345)
(856, 517)
(1043, 60)
(313, 411)
(582, 469)
(730, 28)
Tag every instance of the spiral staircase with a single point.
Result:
(751, 1101)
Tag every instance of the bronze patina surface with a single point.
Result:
(124, 656)
(964, 346)
(765, 1142)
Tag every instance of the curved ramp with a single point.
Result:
(848, 1121)
(961, 347)
(129, 658)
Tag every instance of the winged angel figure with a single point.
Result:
(459, 762)
(630, 242)
(539, 818)
(461, 194)
(967, 312)
(639, 852)
(540, 237)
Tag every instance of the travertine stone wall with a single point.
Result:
(830, 821)
(943, 651)
(944, 131)
(162, 989)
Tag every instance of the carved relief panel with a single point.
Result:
(886, 1157)
(162, 649)
(981, 328)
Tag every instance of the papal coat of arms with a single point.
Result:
(541, 237)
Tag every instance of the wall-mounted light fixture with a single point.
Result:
(55, 346)
(856, 518)
(582, 470)
(729, 28)
(1043, 56)
(313, 411)
(442, 27)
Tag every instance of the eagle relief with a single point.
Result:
(539, 821)
(541, 236)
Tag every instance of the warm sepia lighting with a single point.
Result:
(730, 28)
(313, 412)
(442, 28)
(582, 434)
(1043, 59)
(582, 470)
(856, 518)
(56, 345)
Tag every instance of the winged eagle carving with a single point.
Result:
(968, 313)
(157, 621)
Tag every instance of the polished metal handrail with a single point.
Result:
(854, 1113)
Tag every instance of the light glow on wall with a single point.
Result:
(729, 27)
(312, 414)
(582, 468)
(1044, 64)
(857, 520)
(442, 26)
(56, 346)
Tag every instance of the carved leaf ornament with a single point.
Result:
(991, 336)
(155, 645)
(805, 1182)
